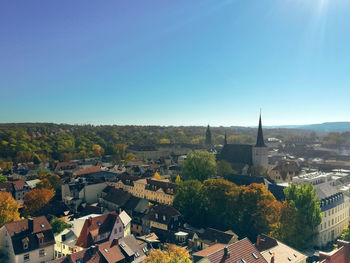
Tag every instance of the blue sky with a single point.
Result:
(175, 62)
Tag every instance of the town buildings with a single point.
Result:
(160, 191)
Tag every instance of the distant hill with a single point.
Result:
(322, 127)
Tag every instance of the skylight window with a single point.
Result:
(255, 255)
(137, 254)
(243, 260)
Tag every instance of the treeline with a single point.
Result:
(42, 142)
(47, 141)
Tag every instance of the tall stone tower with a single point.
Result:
(260, 151)
(208, 141)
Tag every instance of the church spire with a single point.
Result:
(225, 141)
(260, 139)
(208, 136)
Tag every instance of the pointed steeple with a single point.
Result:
(225, 142)
(260, 139)
(208, 136)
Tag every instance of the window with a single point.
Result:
(41, 252)
(115, 230)
(26, 257)
(120, 229)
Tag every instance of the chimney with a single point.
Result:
(258, 241)
(30, 225)
(226, 252)
(273, 258)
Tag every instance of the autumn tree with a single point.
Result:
(8, 208)
(178, 180)
(98, 150)
(164, 141)
(258, 211)
(199, 165)
(300, 217)
(129, 157)
(169, 254)
(35, 199)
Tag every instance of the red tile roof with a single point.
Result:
(90, 170)
(64, 164)
(40, 224)
(95, 226)
(18, 185)
(241, 251)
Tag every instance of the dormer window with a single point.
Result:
(40, 237)
(25, 242)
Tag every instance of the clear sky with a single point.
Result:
(175, 62)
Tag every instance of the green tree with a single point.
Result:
(300, 217)
(58, 225)
(199, 165)
(189, 201)
(345, 235)
(3, 178)
(224, 168)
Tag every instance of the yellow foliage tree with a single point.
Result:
(157, 176)
(98, 150)
(8, 208)
(178, 179)
(170, 254)
(164, 140)
(129, 157)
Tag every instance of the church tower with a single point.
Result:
(260, 151)
(208, 137)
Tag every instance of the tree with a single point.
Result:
(98, 150)
(3, 178)
(157, 176)
(8, 208)
(178, 180)
(129, 157)
(35, 199)
(345, 235)
(224, 168)
(170, 254)
(305, 208)
(36, 159)
(44, 183)
(58, 225)
(257, 211)
(199, 165)
(165, 141)
(189, 201)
